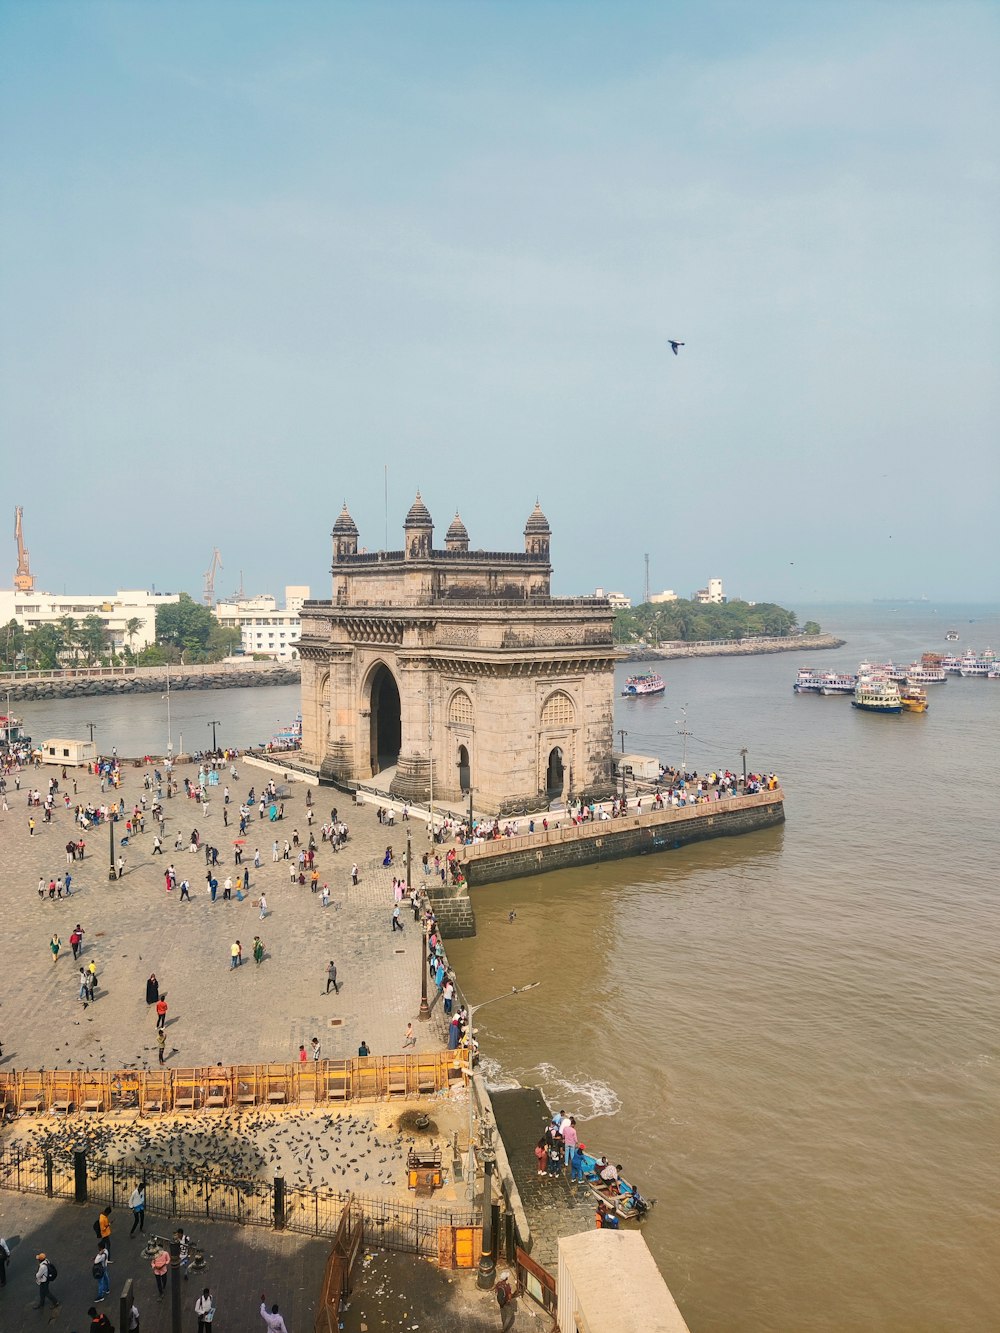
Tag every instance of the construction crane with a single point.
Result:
(23, 579)
(210, 577)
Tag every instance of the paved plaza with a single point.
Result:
(133, 927)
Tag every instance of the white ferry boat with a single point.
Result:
(647, 682)
(924, 675)
(952, 665)
(834, 682)
(876, 694)
(952, 636)
(808, 681)
(974, 666)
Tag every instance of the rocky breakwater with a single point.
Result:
(800, 643)
(39, 685)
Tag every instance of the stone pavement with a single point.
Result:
(241, 1263)
(133, 927)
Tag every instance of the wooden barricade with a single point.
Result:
(214, 1087)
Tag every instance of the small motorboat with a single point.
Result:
(628, 1202)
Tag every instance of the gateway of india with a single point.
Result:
(454, 674)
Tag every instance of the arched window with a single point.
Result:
(460, 711)
(558, 710)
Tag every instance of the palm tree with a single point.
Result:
(93, 638)
(132, 627)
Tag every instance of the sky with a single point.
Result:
(256, 258)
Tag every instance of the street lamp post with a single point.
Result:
(487, 1261)
(743, 756)
(473, 1010)
(213, 725)
(424, 1012)
(623, 734)
(111, 850)
(92, 726)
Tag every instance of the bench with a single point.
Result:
(33, 1104)
(397, 1085)
(62, 1106)
(90, 1104)
(184, 1103)
(245, 1099)
(336, 1089)
(216, 1099)
(278, 1096)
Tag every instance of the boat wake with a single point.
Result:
(496, 1078)
(575, 1094)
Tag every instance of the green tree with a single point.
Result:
(11, 644)
(93, 638)
(184, 626)
(69, 633)
(811, 627)
(42, 647)
(132, 627)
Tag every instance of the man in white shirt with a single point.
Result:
(204, 1308)
(272, 1319)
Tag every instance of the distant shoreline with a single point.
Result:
(738, 648)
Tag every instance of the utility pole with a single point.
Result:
(646, 590)
(623, 734)
(215, 723)
(743, 756)
(91, 725)
(682, 730)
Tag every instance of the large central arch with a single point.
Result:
(386, 721)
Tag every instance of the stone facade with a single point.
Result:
(457, 668)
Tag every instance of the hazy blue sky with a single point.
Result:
(251, 253)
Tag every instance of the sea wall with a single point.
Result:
(732, 647)
(614, 839)
(72, 684)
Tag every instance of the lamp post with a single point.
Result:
(170, 737)
(473, 1010)
(213, 725)
(743, 756)
(92, 726)
(487, 1261)
(623, 734)
(424, 1012)
(111, 846)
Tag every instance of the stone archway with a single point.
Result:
(386, 729)
(464, 770)
(554, 774)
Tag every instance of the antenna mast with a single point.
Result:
(646, 595)
(216, 564)
(23, 579)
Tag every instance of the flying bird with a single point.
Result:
(674, 345)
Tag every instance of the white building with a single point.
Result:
(265, 629)
(618, 600)
(31, 609)
(713, 593)
(668, 595)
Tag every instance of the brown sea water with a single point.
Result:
(789, 1039)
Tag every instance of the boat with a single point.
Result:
(835, 682)
(288, 738)
(952, 664)
(952, 636)
(876, 694)
(897, 673)
(628, 1203)
(12, 733)
(647, 682)
(993, 673)
(913, 699)
(808, 681)
(920, 675)
(971, 665)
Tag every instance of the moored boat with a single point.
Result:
(919, 673)
(877, 694)
(288, 738)
(952, 636)
(12, 734)
(973, 665)
(913, 699)
(625, 1198)
(646, 682)
(808, 681)
(834, 682)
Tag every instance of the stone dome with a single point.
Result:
(456, 530)
(537, 522)
(345, 525)
(418, 517)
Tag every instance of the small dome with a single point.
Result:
(418, 517)
(344, 523)
(537, 522)
(456, 530)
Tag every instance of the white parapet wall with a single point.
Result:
(608, 1282)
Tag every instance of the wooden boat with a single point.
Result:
(913, 699)
(628, 1202)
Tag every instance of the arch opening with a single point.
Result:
(386, 721)
(554, 774)
(464, 770)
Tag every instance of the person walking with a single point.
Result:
(258, 950)
(235, 955)
(161, 1046)
(314, 1048)
(133, 1318)
(55, 944)
(45, 1275)
(160, 1263)
(409, 1039)
(331, 978)
(273, 1321)
(76, 941)
(84, 985)
(204, 1308)
(397, 923)
(137, 1202)
(103, 1228)
(99, 1321)
(100, 1271)
(354, 873)
(263, 907)
(161, 1011)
